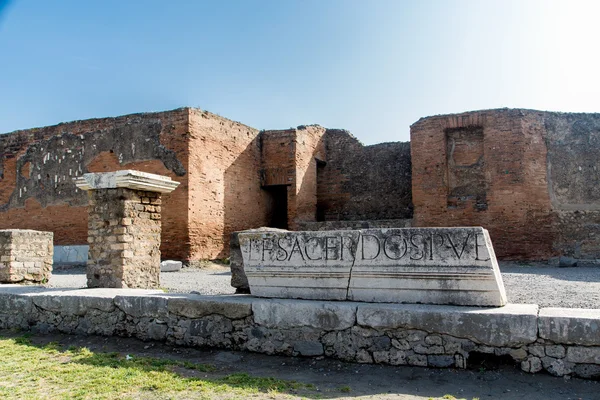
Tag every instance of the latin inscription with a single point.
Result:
(394, 245)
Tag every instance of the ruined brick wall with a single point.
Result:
(225, 193)
(278, 152)
(309, 151)
(289, 157)
(529, 177)
(573, 169)
(364, 182)
(37, 168)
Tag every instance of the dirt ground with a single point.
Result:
(339, 380)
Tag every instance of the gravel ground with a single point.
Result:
(534, 283)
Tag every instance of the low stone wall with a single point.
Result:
(560, 341)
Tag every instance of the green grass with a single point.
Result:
(28, 371)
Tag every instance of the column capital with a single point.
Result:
(129, 179)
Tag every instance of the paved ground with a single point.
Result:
(540, 284)
(339, 380)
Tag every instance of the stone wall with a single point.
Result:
(38, 166)
(529, 177)
(573, 142)
(562, 342)
(25, 256)
(124, 238)
(363, 182)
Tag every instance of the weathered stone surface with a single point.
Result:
(304, 265)
(559, 368)
(193, 306)
(440, 361)
(584, 355)
(142, 306)
(124, 226)
(309, 349)
(328, 316)
(170, 266)
(518, 354)
(557, 351)
(409, 265)
(239, 280)
(587, 370)
(427, 265)
(570, 326)
(130, 179)
(25, 255)
(509, 326)
(75, 304)
(532, 365)
(411, 334)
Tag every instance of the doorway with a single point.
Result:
(279, 206)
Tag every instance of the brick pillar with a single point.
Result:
(124, 228)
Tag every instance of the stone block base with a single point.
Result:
(124, 238)
(25, 256)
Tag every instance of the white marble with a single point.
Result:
(130, 179)
(406, 265)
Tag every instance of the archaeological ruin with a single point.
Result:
(530, 177)
(379, 254)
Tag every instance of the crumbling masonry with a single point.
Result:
(530, 177)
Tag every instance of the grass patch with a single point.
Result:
(28, 371)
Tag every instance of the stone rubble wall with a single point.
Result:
(124, 238)
(25, 255)
(563, 342)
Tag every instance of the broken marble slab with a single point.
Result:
(427, 265)
(300, 265)
(406, 265)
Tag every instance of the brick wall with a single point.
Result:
(37, 168)
(225, 193)
(289, 157)
(303, 200)
(529, 177)
(364, 182)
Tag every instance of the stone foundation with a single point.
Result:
(562, 342)
(25, 255)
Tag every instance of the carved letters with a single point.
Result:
(405, 245)
(406, 265)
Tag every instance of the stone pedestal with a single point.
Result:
(124, 228)
(25, 256)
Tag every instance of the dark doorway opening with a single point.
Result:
(279, 208)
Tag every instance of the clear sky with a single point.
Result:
(372, 67)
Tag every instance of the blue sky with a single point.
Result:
(372, 67)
